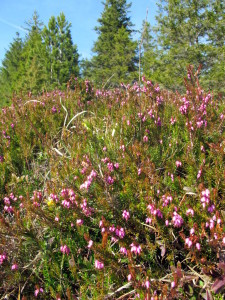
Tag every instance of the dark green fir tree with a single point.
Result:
(62, 53)
(10, 71)
(114, 51)
(183, 31)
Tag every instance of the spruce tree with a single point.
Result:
(62, 53)
(183, 28)
(10, 71)
(33, 70)
(114, 51)
(149, 59)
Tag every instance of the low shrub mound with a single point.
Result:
(113, 194)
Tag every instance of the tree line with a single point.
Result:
(186, 32)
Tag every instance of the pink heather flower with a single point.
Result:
(37, 291)
(177, 220)
(116, 165)
(211, 224)
(147, 284)
(223, 241)
(199, 174)
(166, 200)
(178, 163)
(104, 148)
(135, 249)
(173, 284)
(100, 223)
(158, 213)
(65, 249)
(167, 223)
(114, 240)
(14, 267)
(120, 232)
(110, 180)
(57, 219)
(126, 215)
(198, 246)
(190, 211)
(205, 197)
(139, 171)
(148, 221)
(188, 242)
(110, 167)
(129, 277)
(79, 222)
(2, 258)
(145, 139)
(90, 244)
(211, 208)
(99, 265)
(123, 250)
(66, 204)
(192, 231)
(112, 228)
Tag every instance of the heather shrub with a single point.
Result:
(113, 194)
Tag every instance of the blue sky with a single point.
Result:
(82, 14)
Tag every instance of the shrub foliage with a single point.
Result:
(113, 194)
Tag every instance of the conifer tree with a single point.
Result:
(149, 59)
(10, 70)
(62, 53)
(33, 70)
(183, 36)
(115, 52)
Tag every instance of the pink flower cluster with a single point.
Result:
(65, 249)
(37, 291)
(166, 200)
(99, 265)
(36, 198)
(89, 180)
(3, 257)
(156, 212)
(109, 180)
(126, 215)
(177, 220)
(120, 232)
(54, 197)
(190, 211)
(205, 198)
(69, 198)
(14, 267)
(85, 209)
(123, 250)
(184, 107)
(90, 244)
(178, 163)
(136, 249)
